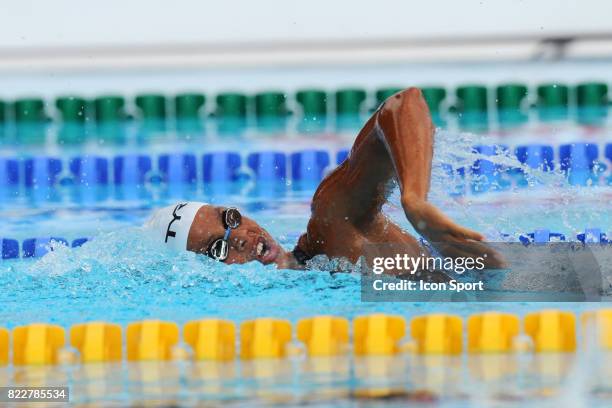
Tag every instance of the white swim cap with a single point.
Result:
(172, 224)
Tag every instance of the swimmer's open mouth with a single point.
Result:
(266, 253)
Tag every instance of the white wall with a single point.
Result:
(70, 23)
(87, 47)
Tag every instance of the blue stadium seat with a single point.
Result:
(541, 236)
(577, 161)
(10, 248)
(536, 156)
(78, 242)
(177, 168)
(221, 167)
(488, 175)
(268, 166)
(341, 156)
(42, 171)
(131, 169)
(89, 170)
(37, 247)
(9, 172)
(593, 235)
(309, 165)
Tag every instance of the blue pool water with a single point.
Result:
(120, 275)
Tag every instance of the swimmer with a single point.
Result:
(396, 144)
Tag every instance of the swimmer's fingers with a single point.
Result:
(461, 232)
(455, 250)
(448, 249)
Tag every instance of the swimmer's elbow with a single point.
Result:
(402, 102)
(405, 114)
(406, 105)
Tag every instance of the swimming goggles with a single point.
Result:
(219, 249)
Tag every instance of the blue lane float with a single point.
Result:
(10, 248)
(42, 171)
(342, 156)
(89, 170)
(488, 176)
(536, 156)
(9, 172)
(221, 167)
(540, 236)
(309, 165)
(268, 167)
(37, 247)
(457, 185)
(608, 155)
(593, 235)
(131, 169)
(78, 242)
(577, 161)
(178, 168)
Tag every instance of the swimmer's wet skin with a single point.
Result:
(346, 211)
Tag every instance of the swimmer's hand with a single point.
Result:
(450, 238)
(428, 220)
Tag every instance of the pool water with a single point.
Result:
(121, 275)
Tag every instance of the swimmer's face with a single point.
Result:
(249, 242)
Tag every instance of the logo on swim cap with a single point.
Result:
(171, 224)
(176, 217)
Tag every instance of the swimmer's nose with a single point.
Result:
(239, 244)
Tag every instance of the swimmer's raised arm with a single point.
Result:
(395, 143)
(404, 125)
